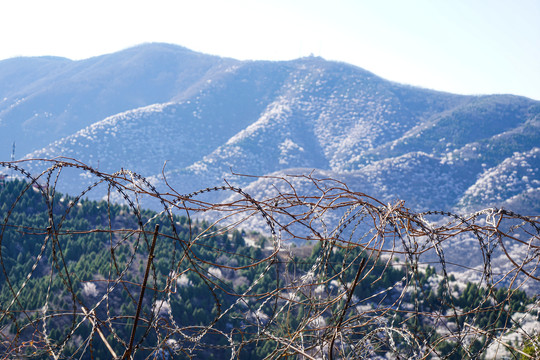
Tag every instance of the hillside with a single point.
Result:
(73, 274)
(45, 99)
(204, 116)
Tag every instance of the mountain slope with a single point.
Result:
(256, 117)
(516, 177)
(49, 98)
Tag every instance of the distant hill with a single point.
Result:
(44, 99)
(206, 116)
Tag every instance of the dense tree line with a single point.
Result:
(66, 245)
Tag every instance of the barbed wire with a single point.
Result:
(342, 275)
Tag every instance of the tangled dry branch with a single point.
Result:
(374, 279)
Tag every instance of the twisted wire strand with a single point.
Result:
(374, 280)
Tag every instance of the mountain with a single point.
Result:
(44, 99)
(207, 117)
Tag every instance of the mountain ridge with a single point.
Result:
(214, 115)
(79, 93)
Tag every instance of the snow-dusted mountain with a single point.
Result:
(44, 99)
(206, 115)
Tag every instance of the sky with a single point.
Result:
(459, 46)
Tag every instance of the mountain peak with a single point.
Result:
(205, 115)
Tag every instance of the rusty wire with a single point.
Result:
(330, 321)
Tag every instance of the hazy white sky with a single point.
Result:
(461, 46)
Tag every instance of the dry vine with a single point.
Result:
(309, 310)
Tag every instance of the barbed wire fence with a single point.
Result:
(363, 289)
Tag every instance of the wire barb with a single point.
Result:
(330, 273)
